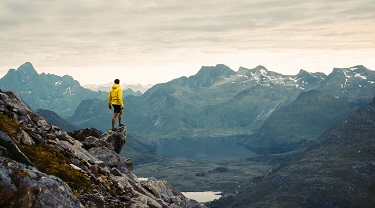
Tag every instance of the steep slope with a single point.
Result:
(53, 118)
(42, 166)
(338, 170)
(92, 113)
(298, 124)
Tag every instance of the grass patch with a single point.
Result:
(10, 127)
(48, 160)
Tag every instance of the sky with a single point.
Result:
(155, 41)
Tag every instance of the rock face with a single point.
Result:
(42, 166)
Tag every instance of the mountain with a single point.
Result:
(53, 118)
(305, 119)
(47, 91)
(337, 170)
(92, 113)
(42, 166)
(296, 125)
(217, 101)
(133, 89)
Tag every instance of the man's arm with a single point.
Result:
(109, 100)
(120, 98)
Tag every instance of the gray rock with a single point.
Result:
(91, 142)
(26, 187)
(14, 151)
(116, 139)
(109, 157)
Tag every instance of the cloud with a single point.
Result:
(128, 32)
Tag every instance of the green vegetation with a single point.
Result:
(204, 175)
(9, 126)
(48, 160)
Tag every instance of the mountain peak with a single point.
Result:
(214, 71)
(208, 75)
(27, 68)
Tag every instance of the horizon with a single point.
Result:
(152, 84)
(157, 41)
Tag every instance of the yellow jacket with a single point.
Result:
(115, 96)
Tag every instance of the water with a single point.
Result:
(202, 197)
(205, 196)
(203, 149)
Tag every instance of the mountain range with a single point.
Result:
(61, 94)
(137, 88)
(337, 170)
(328, 119)
(215, 102)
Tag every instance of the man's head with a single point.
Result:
(117, 81)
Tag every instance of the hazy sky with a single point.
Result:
(154, 41)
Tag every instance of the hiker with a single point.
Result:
(115, 100)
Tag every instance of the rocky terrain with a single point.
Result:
(42, 166)
(336, 171)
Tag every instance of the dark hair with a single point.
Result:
(117, 81)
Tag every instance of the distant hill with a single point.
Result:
(137, 89)
(298, 124)
(93, 113)
(215, 102)
(48, 91)
(54, 119)
(338, 170)
(306, 118)
(218, 101)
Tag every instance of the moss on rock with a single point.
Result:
(48, 160)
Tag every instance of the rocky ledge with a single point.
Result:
(42, 166)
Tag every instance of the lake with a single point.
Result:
(202, 197)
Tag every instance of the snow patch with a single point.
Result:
(68, 91)
(360, 76)
(58, 83)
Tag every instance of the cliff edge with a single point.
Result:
(42, 166)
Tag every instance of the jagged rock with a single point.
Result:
(25, 138)
(81, 134)
(125, 165)
(91, 142)
(15, 99)
(14, 152)
(163, 190)
(111, 182)
(25, 186)
(109, 157)
(116, 139)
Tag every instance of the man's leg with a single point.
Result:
(120, 117)
(114, 120)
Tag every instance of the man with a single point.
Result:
(115, 100)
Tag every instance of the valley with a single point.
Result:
(222, 175)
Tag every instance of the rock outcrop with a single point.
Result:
(42, 166)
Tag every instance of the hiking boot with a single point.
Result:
(121, 125)
(114, 129)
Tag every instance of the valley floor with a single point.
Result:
(224, 175)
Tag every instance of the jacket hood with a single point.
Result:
(115, 86)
